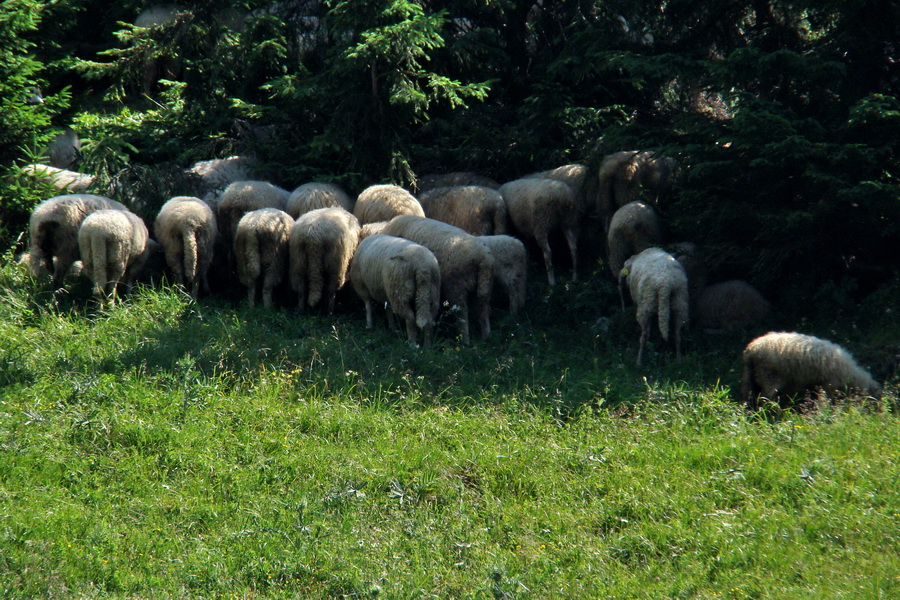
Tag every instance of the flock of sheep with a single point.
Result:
(460, 238)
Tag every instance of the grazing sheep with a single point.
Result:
(578, 178)
(64, 151)
(537, 207)
(62, 180)
(510, 267)
(658, 285)
(622, 173)
(402, 274)
(261, 248)
(311, 196)
(429, 182)
(384, 202)
(729, 306)
(186, 230)
(688, 254)
(54, 227)
(215, 175)
(633, 228)
(475, 209)
(782, 364)
(321, 245)
(114, 249)
(466, 266)
(241, 197)
(371, 229)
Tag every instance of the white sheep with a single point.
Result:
(622, 174)
(311, 196)
(658, 286)
(261, 249)
(214, 175)
(429, 182)
(321, 246)
(475, 209)
(633, 228)
(114, 248)
(729, 306)
(53, 226)
(404, 275)
(466, 266)
(241, 197)
(537, 207)
(186, 229)
(62, 180)
(510, 267)
(784, 364)
(579, 178)
(371, 229)
(383, 202)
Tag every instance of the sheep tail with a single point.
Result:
(316, 256)
(423, 297)
(485, 279)
(251, 263)
(190, 242)
(98, 264)
(663, 312)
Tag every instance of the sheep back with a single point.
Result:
(241, 197)
(510, 267)
(436, 180)
(311, 196)
(383, 202)
(186, 229)
(62, 180)
(214, 175)
(261, 247)
(53, 227)
(784, 364)
(475, 209)
(730, 306)
(402, 273)
(322, 243)
(579, 178)
(633, 228)
(113, 245)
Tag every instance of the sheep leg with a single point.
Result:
(369, 320)
(251, 294)
(429, 331)
(548, 258)
(483, 307)
(572, 241)
(390, 316)
(412, 332)
(645, 334)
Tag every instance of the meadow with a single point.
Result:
(171, 449)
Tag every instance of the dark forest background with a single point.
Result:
(785, 116)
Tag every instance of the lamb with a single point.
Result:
(658, 285)
(62, 180)
(510, 267)
(114, 248)
(215, 175)
(633, 228)
(322, 243)
(311, 196)
(241, 197)
(729, 306)
(622, 173)
(383, 202)
(53, 226)
(466, 266)
(780, 365)
(186, 230)
(538, 207)
(475, 209)
(403, 274)
(261, 247)
(429, 182)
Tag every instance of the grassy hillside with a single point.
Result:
(166, 449)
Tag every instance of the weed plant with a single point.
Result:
(171, 449)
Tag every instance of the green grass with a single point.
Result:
(164, 449)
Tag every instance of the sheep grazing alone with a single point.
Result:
(466, 266)
(384, 202)
(729, 306)
(658, 286)
(402, 274)
(241, 197)
(510, 267)
(261, 248)
(186, 230)
(622, 174)
(114, 248)
(214, 175)
(62, 180)
(311, 196)
(475, 209)
(633, 228)
(781, 365)
(321, 245)
(54, 227)
(435, 180)
(537, 207)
